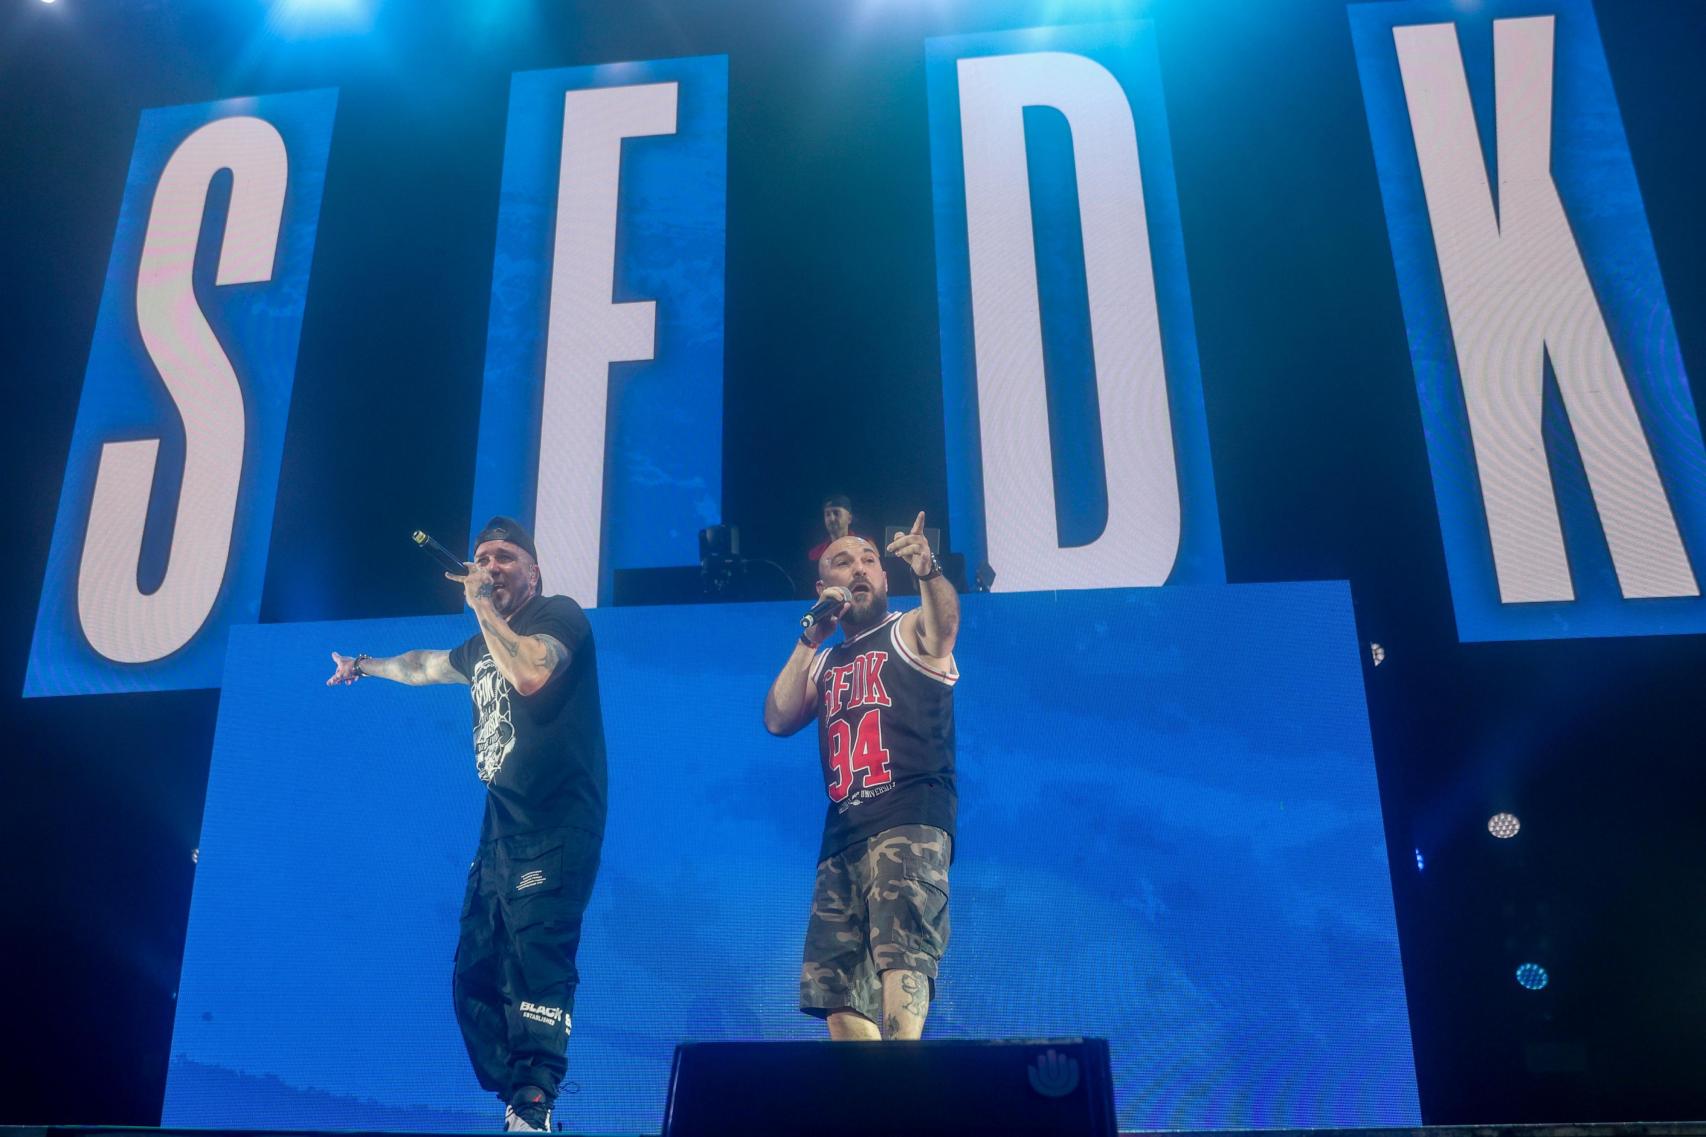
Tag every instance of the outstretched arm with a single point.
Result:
(936, 624)
(415, 668)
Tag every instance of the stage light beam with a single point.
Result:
(307, 17)
(1532, 976)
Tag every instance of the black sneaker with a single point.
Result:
(529, 1111)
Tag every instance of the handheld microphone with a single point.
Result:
(829, 604)
(452, 564)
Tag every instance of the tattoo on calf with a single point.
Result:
(917, 994)
(891, 1027)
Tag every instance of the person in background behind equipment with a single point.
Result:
(539, 747)
(837, 523)
(884, 701)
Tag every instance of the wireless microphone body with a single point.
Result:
(829, 604)
(451, 563)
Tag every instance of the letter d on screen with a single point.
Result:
(1077, 448)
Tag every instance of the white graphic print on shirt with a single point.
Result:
(494, 733)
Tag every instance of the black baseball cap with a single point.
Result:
(502, 528)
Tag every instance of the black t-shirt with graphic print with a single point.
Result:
(540, 755)
(885, 723)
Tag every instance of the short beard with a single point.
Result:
(854, 623)
(518, 599)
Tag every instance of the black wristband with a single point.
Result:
(807, 642)
(356, 665)
(935, 570)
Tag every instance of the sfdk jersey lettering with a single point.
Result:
(857, 683)
(885, 737)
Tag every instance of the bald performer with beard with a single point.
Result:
(883, 699)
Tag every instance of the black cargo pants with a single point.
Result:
(514, 979)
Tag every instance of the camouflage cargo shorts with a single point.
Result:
(878, 905)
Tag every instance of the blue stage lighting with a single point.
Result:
(294, 17)
(1504, 825)
(1532, 976)
(1420, 864)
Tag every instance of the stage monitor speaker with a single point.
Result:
(1035, 1087)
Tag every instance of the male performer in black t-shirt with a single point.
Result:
(539, 747)
(884, 701)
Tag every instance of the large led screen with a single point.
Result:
(1563, 439)
(1170, 836)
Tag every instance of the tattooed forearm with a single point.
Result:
(526, 661)
(484, 592)
(416, 668)
(891, 1026)
(495, 635)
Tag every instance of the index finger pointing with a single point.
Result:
(918, 526)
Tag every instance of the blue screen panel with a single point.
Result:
(662, 442)
(1071, 370)
(254, 323)
(1593, 175)
(1170, 836)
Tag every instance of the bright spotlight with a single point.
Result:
(1377, 653)
(1532, 976)
(314, 7)
(298, 17)
(1504, 825)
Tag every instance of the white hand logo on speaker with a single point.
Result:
(1054, 1075)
